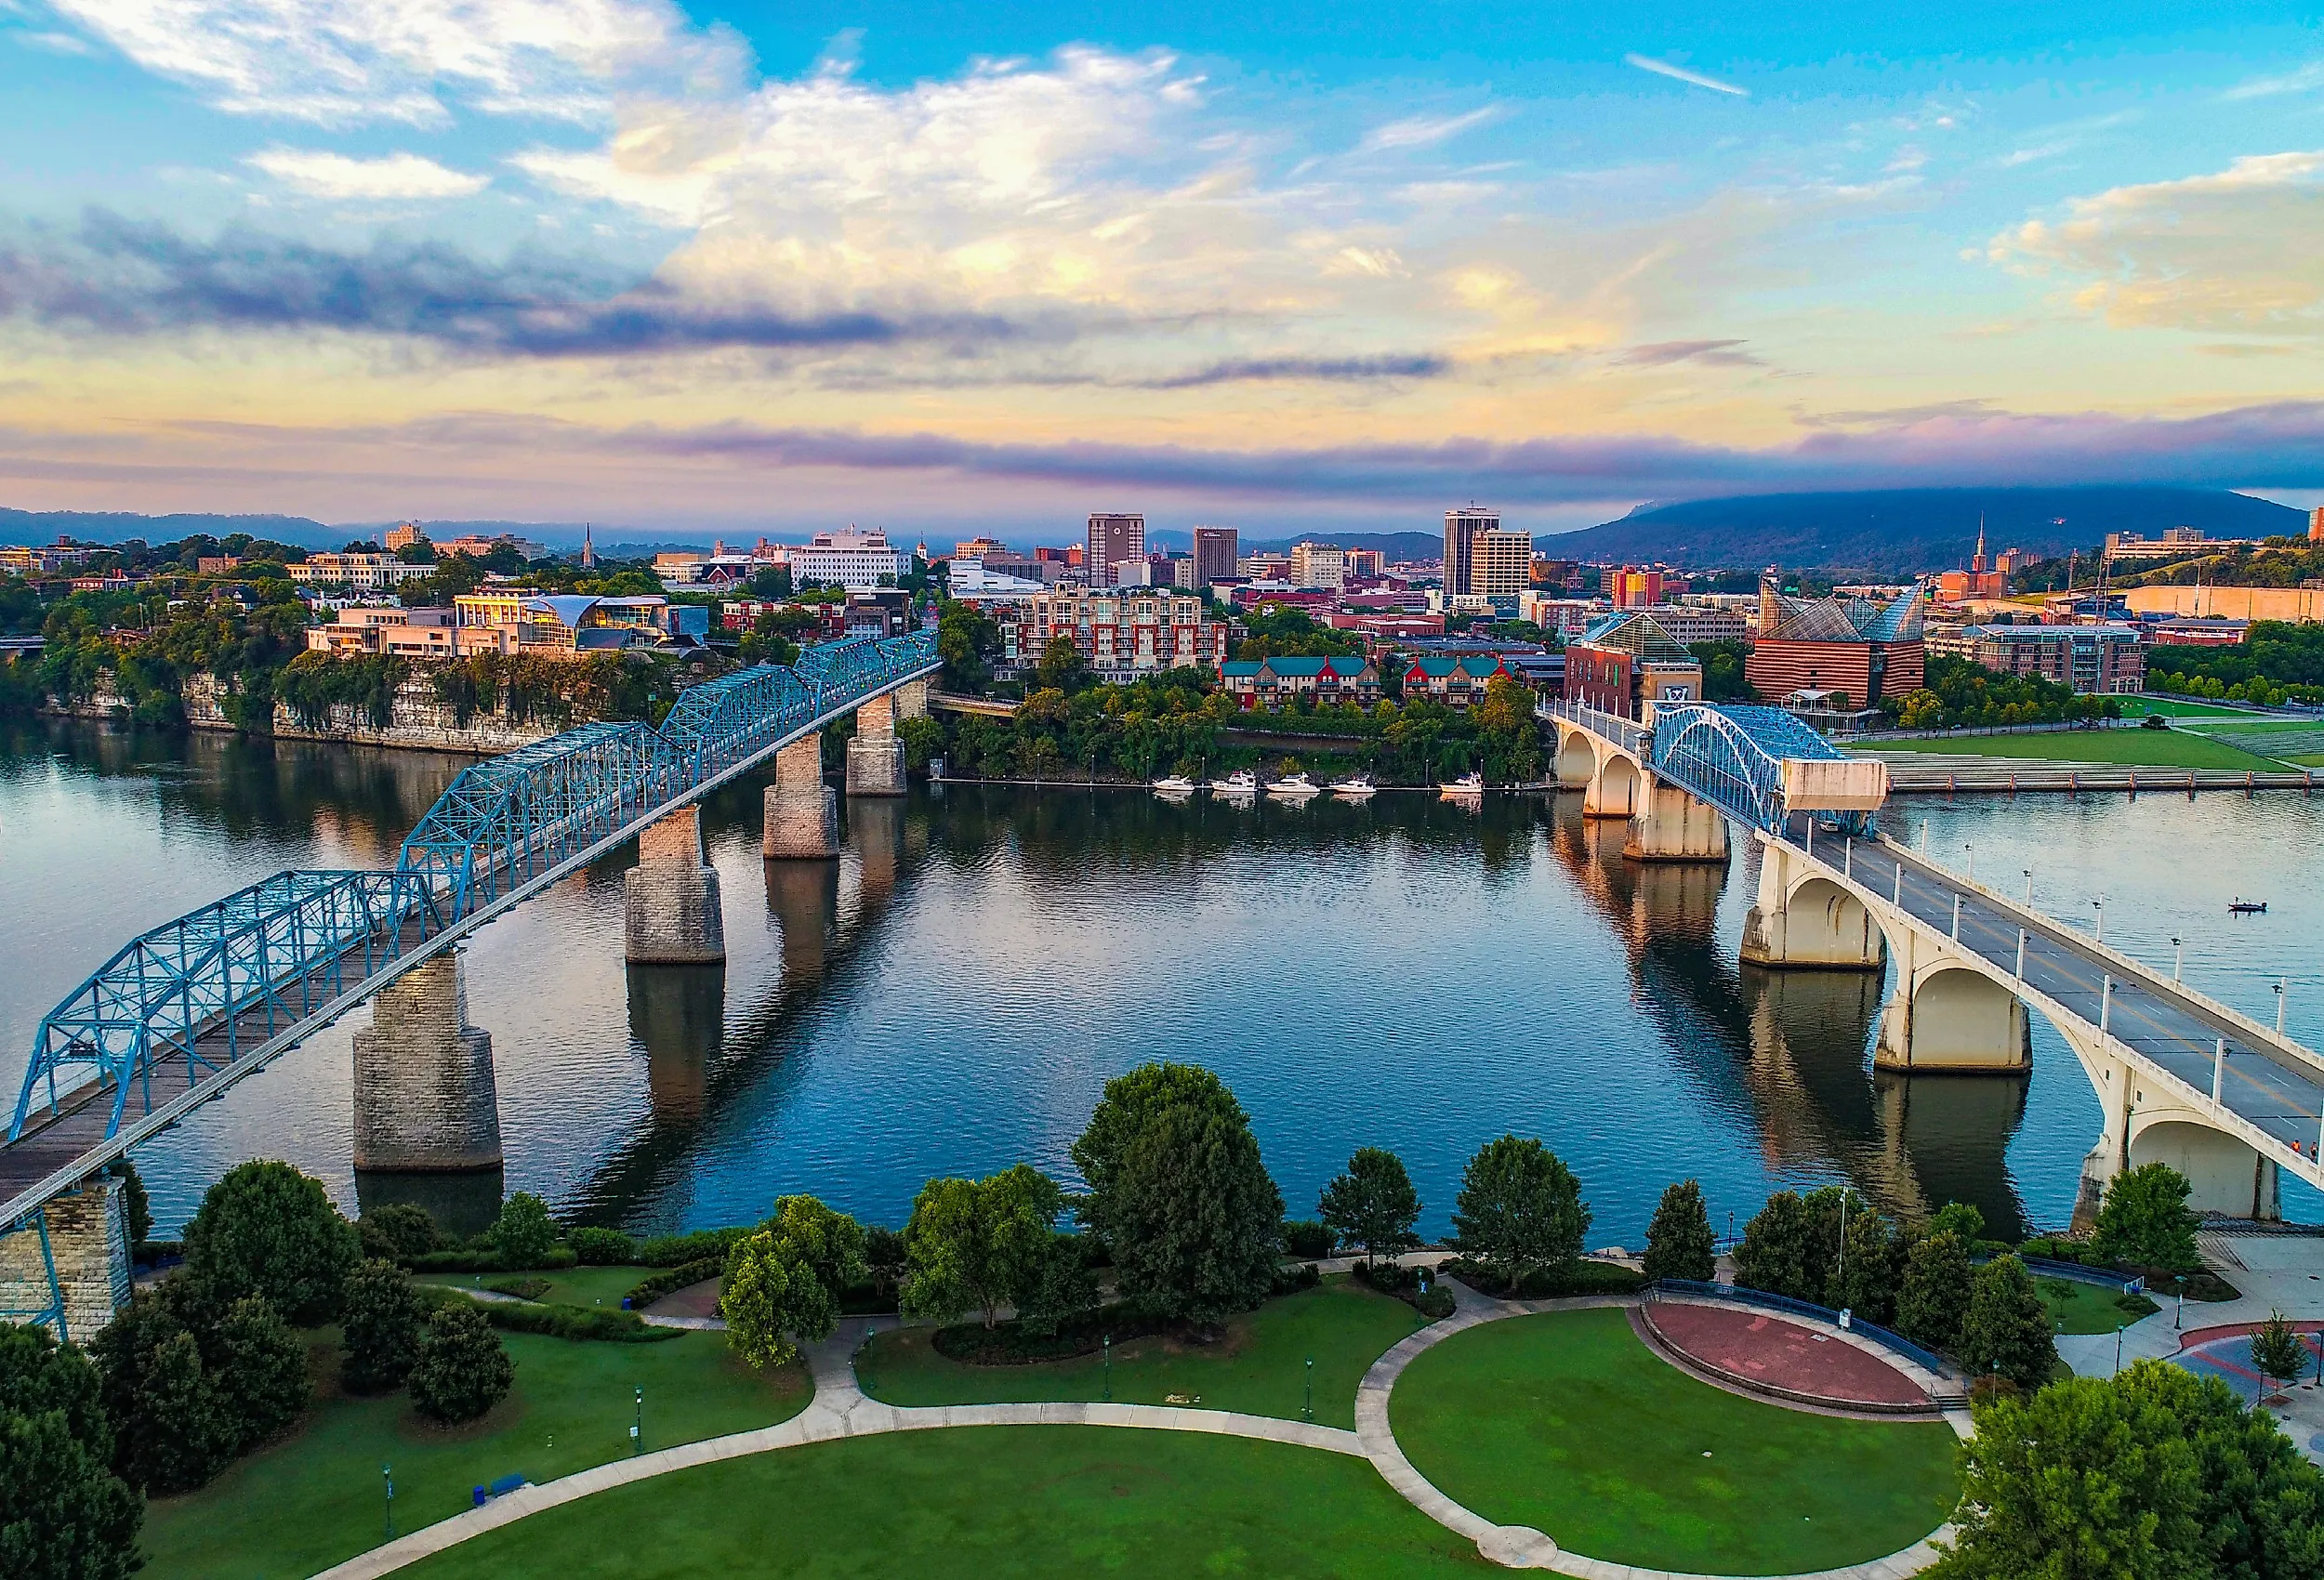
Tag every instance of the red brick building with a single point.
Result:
(1865, 650)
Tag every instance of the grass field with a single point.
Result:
(315, 1498)
(574, 1286)
(2085, 1308)
(2138, 748)
(2171, 707)
(1568, 1424)
(1259, 1367)
(1014, 1502)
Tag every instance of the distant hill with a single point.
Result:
(91, 526)
(1898, 530)
(1396, 545)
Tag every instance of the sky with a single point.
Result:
(995, 265)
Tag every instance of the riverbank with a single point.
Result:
(418, 720)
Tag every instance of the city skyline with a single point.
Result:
(683, 269)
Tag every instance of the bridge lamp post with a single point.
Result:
(2178, 956)
(2030, 888)
(387, 1475)
(637, 1428)
(1971, 851)
(2099, 903)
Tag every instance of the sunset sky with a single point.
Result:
(999, 264)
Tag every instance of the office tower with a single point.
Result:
(1461, 527)
(1215, 552)
(1112, 539)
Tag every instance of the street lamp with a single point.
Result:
(637, 1428)
(1307, 1411)
(1109, 1368)
(2099, 903)
(1971, 851)
(2281, 1001)
(2030, 888)
(388, 1476)
(2178, 956)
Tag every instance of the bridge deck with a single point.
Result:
(2269, 1086)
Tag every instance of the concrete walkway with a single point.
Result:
(1521, 1546)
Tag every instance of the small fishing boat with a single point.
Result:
(1241, 784)
(1293, 787)
(1466, 786)
(1174, 785)
(1355, 786)
(2240, 907)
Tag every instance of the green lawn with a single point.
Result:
(2140, 748)
(2085, 1308)
(315, 1498)
(573, 1286)
(2170, 707)
(1259, 1367)
(989, 1501)
(1568, 1424)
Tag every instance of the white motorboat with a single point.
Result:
(1241, 782)
(1355, 786)
(1468, 784)
(1174, 785)
(1293, 787)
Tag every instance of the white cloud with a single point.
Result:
(2241, 249)
(336, 175)
(344, 61)
(55, 42)
(1424, 131)
(2298, 80)
(1664, 68)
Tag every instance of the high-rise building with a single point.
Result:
(1630, 587)
(403, 535)
(2315, 525)
(1500, 564)
(1112, 539)
(1461, 527)
(1319, 565)
(1215, 551)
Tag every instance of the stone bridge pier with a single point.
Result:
(670, 908)
(803, 814)
(1803, 920)
(425, 1100)
(874, 757)
(88, 1244)
(2147, 1123)
(1668, 824)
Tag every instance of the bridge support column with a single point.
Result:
(1615, 786)
(1670, 825)
(89, 1243)
(425, 1099)
(802, 813)
(1946, 1018)
(912, 699)
(670, 899)
(1803, 920)
(874, 757)
(1577, 762)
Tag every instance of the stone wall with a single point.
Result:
(88, 1238)
(419, 720)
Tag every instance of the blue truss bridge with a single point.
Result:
(1760, 765)
(184, 1011)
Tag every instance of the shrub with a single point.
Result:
(669, 1280)
(1777, 1254)
(2006, 1328)
(1934, 1296)
(398, 1233)
(2145, 1222)
(576, 1323)
(1585, 1277)
(490, 1261)
(521, 1289)
(136, 1208)
(1435, 1303)
(64, 1513)
(603, 1247)
(1306, 1238)
(1520, 1208)
(265, 1229)
(460, 1371)
(260, 1369)
(381, 1327)
(525, 1233)
(1012, 1344)
(1299, 1276)
(672, 1250)
(1679, 1242)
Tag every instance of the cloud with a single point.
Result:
(1424, 131)
(1662, 353)
(1664, 68)
(2298, 80)
(1332, 370)
(2241, 250)
(55, 42)
(119, 277)
(336, 175)
(346, 61)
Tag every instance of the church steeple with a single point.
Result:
(1976, 564)
(589, 549)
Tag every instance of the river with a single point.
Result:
(952, 995)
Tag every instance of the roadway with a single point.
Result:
(2269, 1086)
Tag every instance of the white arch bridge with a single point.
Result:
(2230, 1102)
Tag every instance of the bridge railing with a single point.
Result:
(284, 946)
(1628, 733)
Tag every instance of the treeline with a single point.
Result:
(1960, 693)
(2275, 662)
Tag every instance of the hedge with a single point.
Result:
(671, 1280)
(489, 1261)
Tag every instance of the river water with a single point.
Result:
(953, 993)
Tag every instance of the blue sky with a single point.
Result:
(1005, 264)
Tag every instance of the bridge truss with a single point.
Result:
(1734, 757)
(185, 1008)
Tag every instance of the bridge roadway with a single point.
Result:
(287, 957)
(2270, 1083)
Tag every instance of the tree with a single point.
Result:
(832, 1242)
(1192, 1219)
(172, 1432)
(398, 1233)
(2276, 1353)
(1520, 1208)
(923, 740)
(1373, 1204)
(460, 1370)
(1060, 667)
(1133, 1101)
(260, 1370)
(1778, 1250)
(1062, 1287)
(381, 1329)
(1957, 1217)
(785, 1279)
(1934, 1297)
(265, 1229)
(884, 1253)
(525, 1233)
(137, 1209)
(64, 1513)
(1865, 1279)
(2006, 1328)
(1679, 1242)
(2260, 1506)
(979, 1243)
(2145, 1221)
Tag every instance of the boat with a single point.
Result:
(1355, 786)
(1293, 787)
(2240, 907)
(1241, 782)
(1174, 785)
(1467, 784)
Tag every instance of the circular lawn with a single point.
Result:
(1569, 1424)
